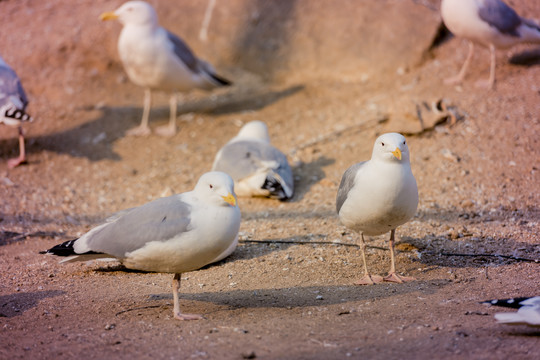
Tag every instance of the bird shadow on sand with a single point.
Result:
(310, 174)
(94, 139)
(526, 58)
(471, 251)
(16, 304)
(306, 296)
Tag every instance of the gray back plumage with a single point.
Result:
(347, 183)
(10, 86)
(159, 220)
(501, 16)
(241, 159)
(184, 52)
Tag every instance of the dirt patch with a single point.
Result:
(326, 82)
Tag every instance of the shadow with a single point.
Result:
(9, 237)
(15, 304)
(310, 174)
(472, 252)
(262, 45)
(526, 58)
(94, 139)
(307, 296)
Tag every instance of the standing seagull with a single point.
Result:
(378, 195)
(13, 103)
(528, 311)
(175, 234)
(258, 168)
(490, 23)
(156, 59)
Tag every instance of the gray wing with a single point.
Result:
(183, 52)
(501, 16)
(241, 159)
(347, 182)
(159, 220)
(197, 66)
(10, 86)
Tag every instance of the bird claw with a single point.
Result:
(395, 278)
(139, 131)
(166, 131)
(369, 280)
(183, 317)
(12, 163)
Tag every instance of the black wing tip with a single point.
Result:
(514, 303)
(275, 188)
(18, 114)
(221, 81)
(63, 249)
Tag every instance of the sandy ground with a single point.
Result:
(327, 80)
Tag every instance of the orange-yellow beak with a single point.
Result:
(230, 199)
(397, 153)
(108, 16)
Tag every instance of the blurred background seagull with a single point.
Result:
(490, 23)
(13, 102)
(377, 196)
(528, 311)
(156, 59)
(257, 167)
(174, 234)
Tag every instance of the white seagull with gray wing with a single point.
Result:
(257, 167)
(13, 102)
(174, 234)
(490, 23)
(377, 196)
(156, 59)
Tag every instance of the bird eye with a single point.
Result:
(403, 142)
(382, 144)
(211, 186)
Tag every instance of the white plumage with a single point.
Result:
(257, 167)
(378, 195)
(175, 234)
(156, 59)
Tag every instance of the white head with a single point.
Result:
(254, 130)
(217, 188)
(133, 13)
(391, 147)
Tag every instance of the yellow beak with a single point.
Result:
(230, 199)
(397, 153)
(108, 16)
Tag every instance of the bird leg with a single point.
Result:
(143, 129)
(170, 129)
(22, 152)
(367, 279)
(490, 83)
(392, 275)
(459, 77)
(176, 303)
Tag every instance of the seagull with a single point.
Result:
(528, 311)
(489, 23)
(257, 167)
(13, 102)
(378, 195)
(175, 234)
(156, 59)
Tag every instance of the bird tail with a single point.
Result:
(514, 303)
(221, 81)
(276, 186)
(67, 250)
(14, 113)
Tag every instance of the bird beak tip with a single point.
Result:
(108, 16)
(397, 153)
